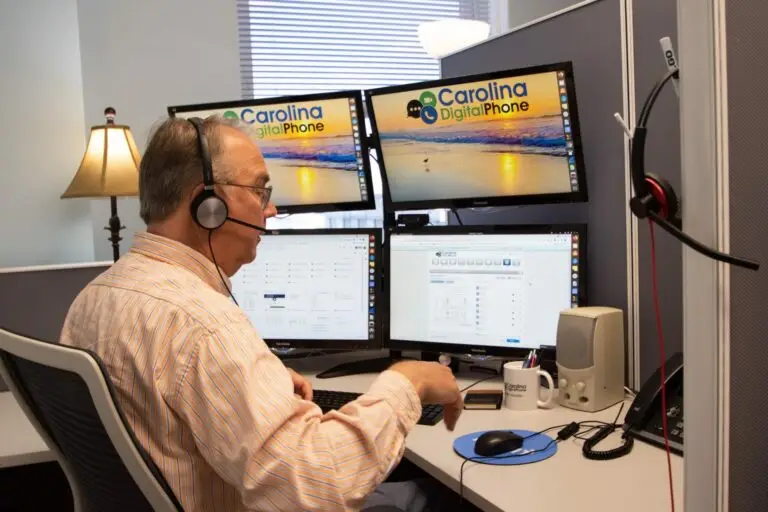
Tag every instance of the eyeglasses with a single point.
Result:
(264, 193)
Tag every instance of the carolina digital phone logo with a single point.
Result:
(286, 120)
(459, 105)
(423, 108)
(515, 389)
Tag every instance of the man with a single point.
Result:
(231, 427)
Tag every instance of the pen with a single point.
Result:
(527, 362)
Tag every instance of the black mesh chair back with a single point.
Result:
(66, 393)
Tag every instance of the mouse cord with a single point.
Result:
(503, 456)
(590, 424)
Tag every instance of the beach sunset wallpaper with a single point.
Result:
(490, 138)
(312, 149)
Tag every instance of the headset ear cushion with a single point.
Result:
(209, 210)
(666, 198)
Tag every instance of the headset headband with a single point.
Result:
(205, 155)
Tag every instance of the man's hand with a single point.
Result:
(435, 384)
(301, 385)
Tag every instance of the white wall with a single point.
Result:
(142, 56)
(42, 136)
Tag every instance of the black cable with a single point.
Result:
(479, 382)
(590, 424)
(646, 110)
(504, 456)
(603, 432)
(474, 459)
(456, 214)
(213, 256)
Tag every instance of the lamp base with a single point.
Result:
(114, 229)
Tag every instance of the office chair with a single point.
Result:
(67, 395)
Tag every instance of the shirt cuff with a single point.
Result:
(395, 389)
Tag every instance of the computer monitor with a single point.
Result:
(489, 290)
(314, 289)
(496, 139)
(315, 152)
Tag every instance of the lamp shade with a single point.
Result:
(109, 166)
(442, 37)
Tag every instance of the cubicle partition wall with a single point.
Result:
(747, 211)
(652, 20)
(34, 300)
(595, 37)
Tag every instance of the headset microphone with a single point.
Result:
(243, 223)
(654, 196)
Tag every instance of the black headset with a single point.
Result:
(654, 196)
(209, 210)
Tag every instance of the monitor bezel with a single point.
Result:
(581, 195)
(368, 204)
(334, 344)
(482, 230)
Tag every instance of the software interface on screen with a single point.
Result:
(491, 138)
(312, 149)
(497, 290)
(310, 287)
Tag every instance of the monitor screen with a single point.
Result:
(486, 290)
(316, 156)
(503, 138)
(313, 288)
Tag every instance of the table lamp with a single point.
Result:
(109, 169)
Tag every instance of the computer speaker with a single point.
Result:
(590, 358)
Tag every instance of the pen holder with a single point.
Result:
(522, 388)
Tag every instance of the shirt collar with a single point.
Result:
(181, 255)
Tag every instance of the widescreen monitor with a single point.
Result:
(496, 139)
(490, 290)
(314, 146)
(316, 289)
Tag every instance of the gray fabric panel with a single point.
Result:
(590, 37)
(747, 46)
(654, 19)
(35, 303)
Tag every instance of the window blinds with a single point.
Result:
(292, 47)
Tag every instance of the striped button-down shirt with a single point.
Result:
(214, 407)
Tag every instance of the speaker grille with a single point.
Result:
(575, 348)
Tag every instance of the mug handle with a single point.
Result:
(551, 383)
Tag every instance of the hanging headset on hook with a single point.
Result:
(655, 198)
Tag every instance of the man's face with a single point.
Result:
(235, 245)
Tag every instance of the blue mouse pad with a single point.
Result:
(532, 450)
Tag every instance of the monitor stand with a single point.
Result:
(362, 366)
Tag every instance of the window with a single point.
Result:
(292, 47)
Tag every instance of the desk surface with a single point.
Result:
(19, 442)
(567, 481)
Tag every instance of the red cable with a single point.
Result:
(663, 360)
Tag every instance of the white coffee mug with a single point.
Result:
(521, 387)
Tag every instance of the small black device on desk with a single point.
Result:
(644, 418)
(483, 399)
(332, 400)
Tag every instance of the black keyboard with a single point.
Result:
(332, 400)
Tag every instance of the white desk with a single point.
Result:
(566, 481)
(19, 442)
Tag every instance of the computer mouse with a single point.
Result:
(496, 442)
